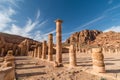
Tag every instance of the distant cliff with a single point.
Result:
(18, 44)
(92, 38)
(83, 37)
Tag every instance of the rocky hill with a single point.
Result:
(84, 40)
(16, 43)
(83, 37)
(108, 39)
(93, 38)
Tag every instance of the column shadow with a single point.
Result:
(30, 74)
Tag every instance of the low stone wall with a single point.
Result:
(7, 69)
(7, 73)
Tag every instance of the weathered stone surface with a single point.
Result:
(9, 56)
(7, 73)
(56, 64)
(87, 39)
(59, 40)
(83, 37)
(44, 49)
(39, 51)
(50, 47)
(98, 60)
(72, 56)
(19, 45)
(8, 60)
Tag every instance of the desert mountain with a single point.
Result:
(93, 38)
(83, 37)
(18, 44)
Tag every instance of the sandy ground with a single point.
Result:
(32, 69)
(28, 68)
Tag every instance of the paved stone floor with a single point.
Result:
(112, 64)
(35, 69)
(28, 68)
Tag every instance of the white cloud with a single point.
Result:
(5, 17)
(112, 8)
(11, 2)
(91, 22)
(51, 32)
(113, 28)
(43, 36)
(30, 25)
(7, 23)
(38, 14)
(27, 29)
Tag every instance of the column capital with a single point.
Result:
(59, 20)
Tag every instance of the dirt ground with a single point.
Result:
(28, 68)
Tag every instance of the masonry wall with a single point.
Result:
(7, 73)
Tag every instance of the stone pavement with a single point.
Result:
(35, 69)
(112, 65)
(27, 67)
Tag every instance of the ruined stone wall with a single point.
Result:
(7, 73)
(7, 69)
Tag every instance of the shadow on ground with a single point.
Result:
(32, 67)
(113, 71)
(31, 74)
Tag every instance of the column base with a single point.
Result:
(56, 64)
(99, 69)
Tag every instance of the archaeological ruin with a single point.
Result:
(82, 51)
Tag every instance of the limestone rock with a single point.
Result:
(87, 39)
(19, 45)
(83, 37)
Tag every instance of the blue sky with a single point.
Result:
(35, 18)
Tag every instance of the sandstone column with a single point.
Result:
(44, 49)
(35, 51)
(2, 52)
(27, 46)
(58, 41)
(32, 53)
(39, 52)
(116, 50)
(29, 53)
(98, 60)
(16, 52)
(72, 56)
(50, 47)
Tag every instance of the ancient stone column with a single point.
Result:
(44, 49)
(116, 50)
(98, 60)
(16, 52)
(27, 46)
(39, 51)
(76, 46)
(2, 52)
(32, 53)
(35, 52)
(72, 56)
(58, 41)
(50, 47)
(110, 50)
(29, 53)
